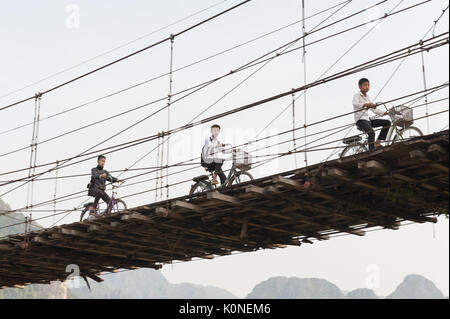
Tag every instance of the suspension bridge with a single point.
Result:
(407, 181)
(386, 188)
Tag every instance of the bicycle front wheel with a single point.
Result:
(240, 177)
(407, 133)
(119, 205)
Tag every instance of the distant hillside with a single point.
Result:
(54, 291)
(147, 284)
(9, 220)
(416, 287)
(295, 288)
(12, 219)
(412, 287)
(361, 293)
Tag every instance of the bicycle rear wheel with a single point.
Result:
(85, 214)
(200, 187)
(353, 149)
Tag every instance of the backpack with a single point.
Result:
(202, 161)
(91, 183)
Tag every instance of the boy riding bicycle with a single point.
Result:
(211, 155)
(361, 105)
(99, 176)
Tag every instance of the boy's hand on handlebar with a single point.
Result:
(394, 112)
(370, 106)
(103, 175)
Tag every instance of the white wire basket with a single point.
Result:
(403, 116)
(243, 160)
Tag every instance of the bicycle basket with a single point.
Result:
(404, 118)
(243, 160)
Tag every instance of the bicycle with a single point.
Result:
(402, 120)
(238, 174)
(114, 205)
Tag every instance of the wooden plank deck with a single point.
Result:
(407, 181)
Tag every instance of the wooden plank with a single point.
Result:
(421, 155)
(357, 232)
(438, 151)
(337, 174)
(287, 182)
(418, 154)
(254, 189)
(216, 195)
(94, 277)
(186, 205)
(291, 183)
(138, 217)
(161, 211)
(373, 166)
(5, 247)
(295, 242)
(244, 229)
(164, 212)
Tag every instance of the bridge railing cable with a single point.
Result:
(269, 146)
(157, 43)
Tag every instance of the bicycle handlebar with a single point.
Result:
(391, 110)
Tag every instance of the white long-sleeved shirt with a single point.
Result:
(213, 149)
(363, 114)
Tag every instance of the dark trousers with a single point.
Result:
(367, 127)
(216, 166)
(97, 194)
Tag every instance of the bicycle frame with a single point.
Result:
(233, 168)
(109, 206)
(393, 127)
(233, 171)
(389, 139)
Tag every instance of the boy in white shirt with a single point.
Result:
(361, 105)
(212, 155)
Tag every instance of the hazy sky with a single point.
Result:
(42, 38)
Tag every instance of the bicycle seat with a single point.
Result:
(88, 204)
(200, 178)
(352, 139)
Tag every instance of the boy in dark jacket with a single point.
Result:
(99, 176)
